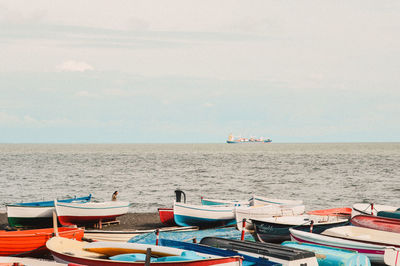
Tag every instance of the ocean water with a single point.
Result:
(322, 175)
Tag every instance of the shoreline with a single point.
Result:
(129, 221)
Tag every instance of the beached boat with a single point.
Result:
(167, 216)
(232, 140)
(328, 256)
(124, 236)
(93, 254)
(257, 200)
(392, 256)
(37, 214)
(89, 213)
(30, 242)
(345, 212)
(366, 241)
(203, 215)
(192, 236)
(390, 214)
(263, 251)
(276, 229)
(377, 223)
(370, 209)
(208, 201)
(264, 211)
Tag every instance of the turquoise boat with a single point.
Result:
(329, 256)
(388, 214)
(198, 235)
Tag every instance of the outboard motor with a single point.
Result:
(178, 195)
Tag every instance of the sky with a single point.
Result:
(184, 71)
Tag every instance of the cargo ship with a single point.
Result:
(232, 139)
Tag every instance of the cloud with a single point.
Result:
(74, 66)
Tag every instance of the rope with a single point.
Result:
(365, 210)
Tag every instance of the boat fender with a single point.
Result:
(372, 209)
(311, 226)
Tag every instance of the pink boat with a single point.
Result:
(89, 213)
(376, 222)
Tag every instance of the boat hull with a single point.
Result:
(35, 214)
(264, 211)
(274, 232)
(32, 242)
(167, 216)
(203, 215)
(377, 223)
(89, 213)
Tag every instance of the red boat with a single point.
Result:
(333, 212)
(167, 216)
(376, 222)
(28, 242)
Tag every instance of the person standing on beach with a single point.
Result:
(114, 196)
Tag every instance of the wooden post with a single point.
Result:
(55, 223)
(148, 257)
(157, 236)
(243, 228)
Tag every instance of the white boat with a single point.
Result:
(392, 256)
(89, 213)
(264, 211)
(36, 214)
(208, 201)
(124, 236)
(203, 215)
(257, 200)
(370, 209)
(367, 241)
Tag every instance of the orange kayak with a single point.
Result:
(333, 212)
(28, 242)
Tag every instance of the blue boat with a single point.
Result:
(37, 214)
(248, 260)
(198, 235)
(329, 256)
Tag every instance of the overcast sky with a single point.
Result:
(196, 71)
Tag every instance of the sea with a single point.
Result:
(323, 175)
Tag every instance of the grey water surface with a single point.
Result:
(322, 175)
